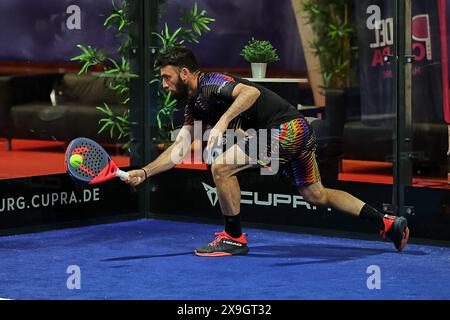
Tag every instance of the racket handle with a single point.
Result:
(212, 154)
(122, 174)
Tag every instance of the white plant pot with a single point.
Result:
(259, 70)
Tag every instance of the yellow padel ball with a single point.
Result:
(76, 161)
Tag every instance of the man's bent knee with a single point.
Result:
(221, 171)
(315, 195)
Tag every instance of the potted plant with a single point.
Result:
(259, 53)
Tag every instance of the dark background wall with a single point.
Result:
(36, 30)
(237, 21)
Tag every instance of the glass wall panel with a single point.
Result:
(368, 130)
(48, 96)
(427, 197)
(355, 140)
(333, 67)
(62, 76)
(430, 107)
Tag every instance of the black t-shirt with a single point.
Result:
(215, 97)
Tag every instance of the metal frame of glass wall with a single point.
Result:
(403, 102)
(143, 98)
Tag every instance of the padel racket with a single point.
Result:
(95, 166)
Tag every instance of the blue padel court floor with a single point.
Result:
(153, 259)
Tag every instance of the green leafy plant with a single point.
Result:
(259, 51)
(90, 57)
(194, 23)
(164, 117)
(116, 19)
(333, 42)
(117, 70)
(198, 21)
(115, 122)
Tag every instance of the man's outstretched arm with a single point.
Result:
(166, 160)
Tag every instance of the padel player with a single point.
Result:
(225, 102)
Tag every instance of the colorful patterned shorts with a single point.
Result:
(297, 153)
(294, 146)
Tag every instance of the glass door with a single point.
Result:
(64, 73)
(423, 118)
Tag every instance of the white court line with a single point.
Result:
(5, 299)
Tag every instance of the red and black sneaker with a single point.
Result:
(224, 245)
(397, 229)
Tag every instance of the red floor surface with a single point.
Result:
(375, 172)
(381, 172)
(35, 158)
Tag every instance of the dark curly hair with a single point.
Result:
(178, 56)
